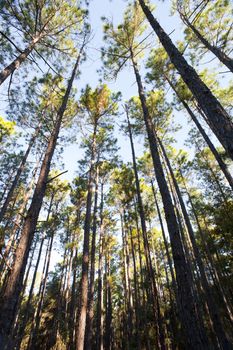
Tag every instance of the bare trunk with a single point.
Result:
(72, 305)
(137, 308)
(81, 322)
(90, 311)
(226, 60)
(189, 319)
(18, 220)
(158, 323)
(127, 280)
(6, 72)
(108, 327)
(100, 325)
(211, 146)
(18, 174)
(216, 277)
(36, 321)
(214, 313)
(144, 321)
(165, 243)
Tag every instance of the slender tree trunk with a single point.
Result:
(108, 328)
(137, 308)
(211, 146)
(225, 59)
(81, 322)
(14, 285)
(36, 321)
(158, 325)
(214, 312)
(165, 242)
(18, 174)
(174, 327)
(100, 325)
(18, 220)
(36, 266)
(127, 284)
(144, 322)
(72, 304)
(27, 308)
(90, 310)
(216, 277)
(6, 72)
(193, 333)
(219, 120)
(25, 283)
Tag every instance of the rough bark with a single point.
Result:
(127, 280)
(6, 72)
(18, 220)
(174, 285)
(224, 58)
(214, 312)
(189, 320)
(90, 310)
(37, 318)
(81, 322)
(211, 146)
(137, 304)
(216, 276)
(108, 326)
(100, 325)
(158, 322)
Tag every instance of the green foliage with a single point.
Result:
(124, 41)
(7, 128)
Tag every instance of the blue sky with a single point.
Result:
(125, 81)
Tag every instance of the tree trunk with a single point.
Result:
(18, 220)
(211, 146)
(27, 308)
(137, 304)
(100, 325)
(6, 72)
(216, 276)
(108, 327)
(143, 322)
(174, 285)
(72, 304)
(36, 321)
(214, 312)
(127, 280)
(219, 121)
(193, 333)
(14, 285)
(226, 60)
(90, 310)
(81, 322)
(17, 325)
(18, 174)
(158, 323)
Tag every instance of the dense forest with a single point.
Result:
(116, 207)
